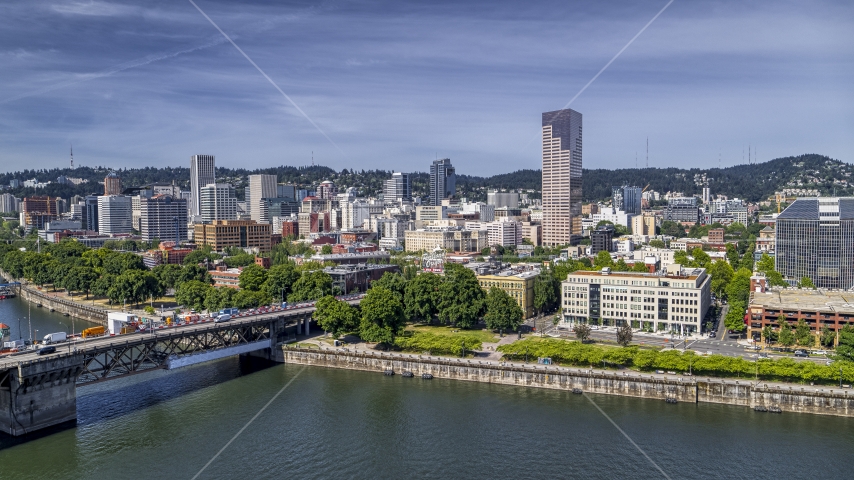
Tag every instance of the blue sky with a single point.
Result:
(394, 84)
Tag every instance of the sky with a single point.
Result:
(394, 85)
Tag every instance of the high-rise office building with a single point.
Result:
(202, 172)
(163, 217)
(287, 192)
(112, 184)
(218, 202)
(260, 188)
(397, 188)
(561, 177)
(89, 215)
(327, 190)
(9, 203)
(114, 214)
(443, 181)
(627, 199)
(815, 239)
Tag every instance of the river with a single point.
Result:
(331, 423)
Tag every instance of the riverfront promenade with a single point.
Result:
(739, 391)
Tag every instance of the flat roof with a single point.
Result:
(805, 299)
(692, 275)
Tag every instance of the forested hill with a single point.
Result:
(752, 182)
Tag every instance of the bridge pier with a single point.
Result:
(38, 395)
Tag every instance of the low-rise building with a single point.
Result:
(449, 239)
(517, 282)
(676, 299)
(357, 277)
(221, 234)
(818, 308)
(226, 277)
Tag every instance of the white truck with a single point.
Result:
(54, 338)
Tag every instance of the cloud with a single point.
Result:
(94, 8)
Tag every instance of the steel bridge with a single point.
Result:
(37, 391)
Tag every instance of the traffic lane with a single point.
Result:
(80, 344)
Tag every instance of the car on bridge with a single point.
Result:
(222, 318)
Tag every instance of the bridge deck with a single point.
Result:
(98, 344)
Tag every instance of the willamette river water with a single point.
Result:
(342, 424)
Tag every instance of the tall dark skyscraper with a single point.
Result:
(627, 199)
(561, 177)
(443, 181)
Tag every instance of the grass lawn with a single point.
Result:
(482, 335)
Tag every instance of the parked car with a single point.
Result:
(820, 352)
(801, 353)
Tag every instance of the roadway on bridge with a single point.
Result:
(81, 345)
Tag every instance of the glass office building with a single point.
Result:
(815, 239)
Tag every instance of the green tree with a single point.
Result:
(735, 316)
(250, 298)
(421, 297)
(765, 264)
(639, 267)
(768, 334)
(845, 348)
(827, 337)
(582, 332)
(167, 274)
(218, 298)
(335, 316)
(603, 259)
(193, 272)
(392, 281)
(803, 334)
(241, 259)
(624, 335)
(721, 273)
(253, 277)
(738, 289)
(280, 280)
(502, 311)
(672, 229)
(192, 294)
(621, 266)
(701, 258)
(656, 243)
(200, 256)
(681, 257)
(382, 316)
(326, 249)
(785, 335)
(806, 282)
(80, 279)
(311, 286)
(461, 299)
(101, 286)
(546, 291)
(732, 255)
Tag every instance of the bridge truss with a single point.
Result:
(148, 352)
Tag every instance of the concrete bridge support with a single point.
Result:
(39, 395)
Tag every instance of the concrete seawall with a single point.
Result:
(787, 398)
(74, 309)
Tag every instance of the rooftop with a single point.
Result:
(839, 301)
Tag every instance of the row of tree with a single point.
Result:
(455, 299)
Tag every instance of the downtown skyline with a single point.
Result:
(396, 85)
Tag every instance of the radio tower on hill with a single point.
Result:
(72, 155)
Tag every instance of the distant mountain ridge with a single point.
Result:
(752, 182)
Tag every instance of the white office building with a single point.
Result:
(218, 202)
(114, 214)
(260, 187)
(674, 300)
(202, 172)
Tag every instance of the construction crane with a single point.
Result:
(644, 188)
